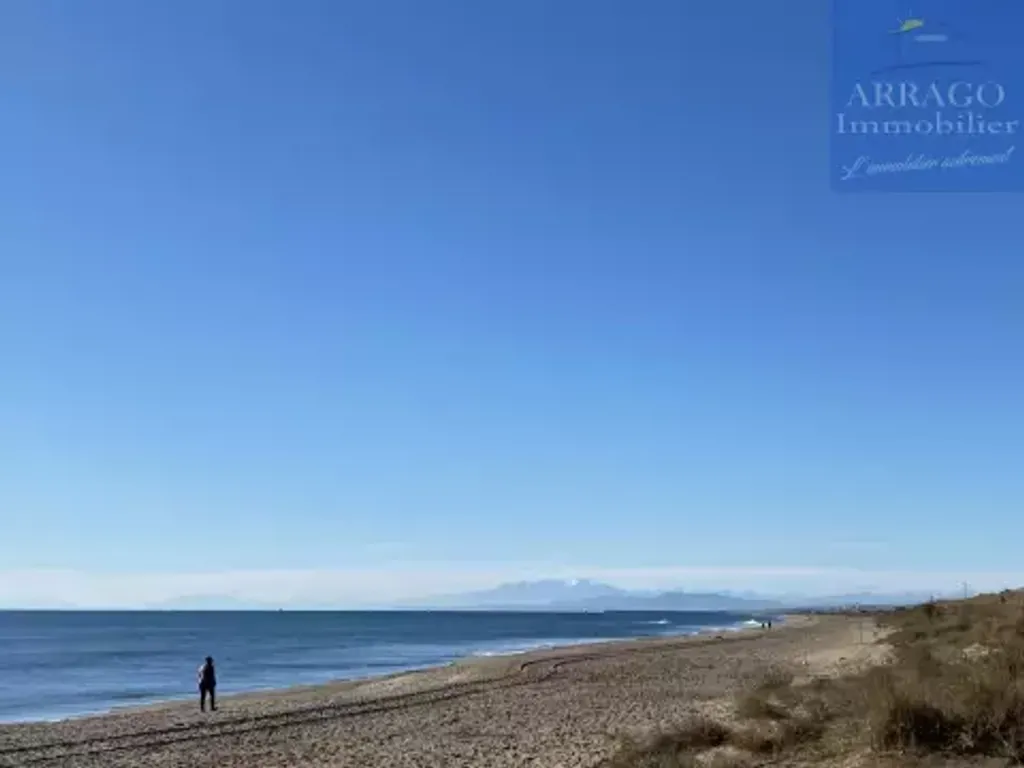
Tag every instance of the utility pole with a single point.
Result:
(965, 590)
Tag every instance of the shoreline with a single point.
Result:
(557, 708)
(340, 682)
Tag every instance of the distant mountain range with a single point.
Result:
(574, 595)
(209, 603)
(586, 595)
(535, 593)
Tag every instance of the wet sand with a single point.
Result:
(560, 708)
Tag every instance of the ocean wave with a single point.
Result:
(260, 652)
(513, 649)
(727, 628)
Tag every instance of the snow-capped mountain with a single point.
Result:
(542, 593)
(587, 595)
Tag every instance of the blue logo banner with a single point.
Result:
(927, 97)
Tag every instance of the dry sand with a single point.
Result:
(553, 709)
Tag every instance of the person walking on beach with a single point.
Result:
(207, 685)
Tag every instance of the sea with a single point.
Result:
(60, 664)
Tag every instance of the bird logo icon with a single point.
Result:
(909, 25)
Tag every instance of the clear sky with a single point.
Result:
(380, 298)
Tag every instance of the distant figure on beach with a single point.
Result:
(769, 623)
(207, 685)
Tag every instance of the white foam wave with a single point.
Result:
(514, 649)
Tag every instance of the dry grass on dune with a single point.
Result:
(774, 718)
(952, 689)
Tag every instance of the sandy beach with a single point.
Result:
(563, 708)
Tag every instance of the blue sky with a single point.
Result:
(429, 295)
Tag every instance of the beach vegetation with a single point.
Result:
(950, 691)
